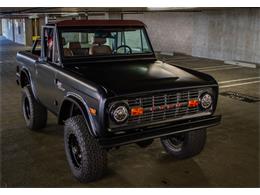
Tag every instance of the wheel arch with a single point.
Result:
(66, 111)
(25, 78)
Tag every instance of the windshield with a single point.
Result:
(104, 42)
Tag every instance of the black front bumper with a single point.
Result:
(160, 131)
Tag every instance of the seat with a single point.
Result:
(66, 51)
(99, 48)
(75, 47)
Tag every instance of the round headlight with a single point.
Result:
(119, 113)
(206, 101)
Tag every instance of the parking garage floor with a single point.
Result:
(230, 157)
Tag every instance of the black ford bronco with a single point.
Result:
(103, 82)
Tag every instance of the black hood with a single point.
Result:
(122, 78)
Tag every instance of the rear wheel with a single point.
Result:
(185, 145)
(35, 114)
(86, 158)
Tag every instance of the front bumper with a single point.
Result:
(160, 131)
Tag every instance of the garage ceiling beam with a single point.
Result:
(45, 11)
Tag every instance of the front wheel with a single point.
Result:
(185, 145)
(86, 158)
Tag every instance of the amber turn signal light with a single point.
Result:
(137, 111)
(93, 111)
(193, 103)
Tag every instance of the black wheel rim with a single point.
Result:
(75, 152)
(27, 109)
(177, 142)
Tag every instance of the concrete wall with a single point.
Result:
(168, 31)
(7, 28)
(19, 31)
(14, 29)
(232, 34)
(226, 34)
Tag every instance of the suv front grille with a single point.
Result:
(163, 106)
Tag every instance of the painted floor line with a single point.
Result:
(235, 80)
(210, 67)
(238, 84)
(217, 69)
(183, 60)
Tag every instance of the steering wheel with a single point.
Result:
(125, 46)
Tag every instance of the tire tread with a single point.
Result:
(38, 112)
(95, 161)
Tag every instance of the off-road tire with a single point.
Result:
(192, 144)
(93, 156)
(35, 114)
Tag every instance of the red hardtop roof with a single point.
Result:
(67, 23)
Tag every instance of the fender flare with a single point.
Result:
(26, 71)
(84, 109)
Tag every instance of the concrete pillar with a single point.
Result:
(36, 27)
(28, 32)
(1, 27)
(13, 39)
(41, 22)
(46, 18)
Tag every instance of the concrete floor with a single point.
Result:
(230, 157)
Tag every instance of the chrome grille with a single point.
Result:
(163, 106)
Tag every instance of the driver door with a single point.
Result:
(45, 69)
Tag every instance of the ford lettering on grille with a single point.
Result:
(164, 106)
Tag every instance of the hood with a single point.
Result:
(121, 78)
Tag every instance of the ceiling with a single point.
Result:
(8, 12)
